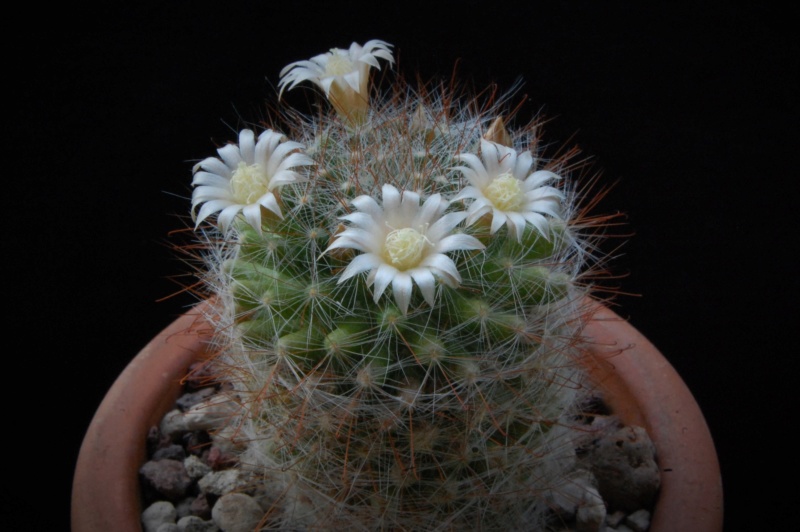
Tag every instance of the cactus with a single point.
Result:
(400, 284)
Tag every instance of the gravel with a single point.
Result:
(191, 484)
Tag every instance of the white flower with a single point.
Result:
(401, 241)
(502, 186)
(343, 75)
(244, 178)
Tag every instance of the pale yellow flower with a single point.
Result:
(343, 75)
(245, 176)
(402, 241)
(501, 184)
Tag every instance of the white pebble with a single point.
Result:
(237, 512)
(157, 514)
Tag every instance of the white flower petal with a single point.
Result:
(357, 59)
(280, 156)
(359, 264)
(523, 164)
(468, 192)
(539, 222)
(498, 219)
(226, 216)
(269, 161)
(545, 193)
(357, 239)
(539, 177)
(247, 145)
(269, 202)
(252, 213)
(445, 225)
(546, 207)
(431, 209)
(409, 207)
(209, 208)
(405, 242)
(475, 172)
(294, 160)
(490, 157)
(326, 84)
(284, 177)
(230, 155)
(517, 222)
(368, 205)
(477, 209)
(508, 204)
(391, 198)
(353, 80)
(426, 283)
(209, 179)
(401, 286)
(383, 276)
(458, 241)
(207, 193)
(360, 219)
(214, 166)
(442, 264)
(506, 158)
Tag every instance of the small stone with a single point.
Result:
(192, 523)
(172, 452)
(200, 507)
(237, 512)
(200, 375)
(188, 400)
(624, 464)
(614, 519)
(156, 440)
(218, 459)
(167, 477)
(591, 512)
(222, 482)
(566, 498)
(157, 514)
(229, 439)
(173, 424)
(212, 413)
(195, 467)
(184, 507)
(196, 442)
(639, 520)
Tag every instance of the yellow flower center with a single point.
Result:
(249, 183)
(404, 248)
(505, 193)
(338, 65)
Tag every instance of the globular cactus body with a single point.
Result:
(400, 321)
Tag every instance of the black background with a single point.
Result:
(690, 108)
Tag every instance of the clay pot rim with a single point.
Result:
(635, 379)
(642, 388)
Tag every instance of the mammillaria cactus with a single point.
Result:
(400, 286)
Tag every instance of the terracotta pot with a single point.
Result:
(642, 388)
(637, 382)
(105, 488)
